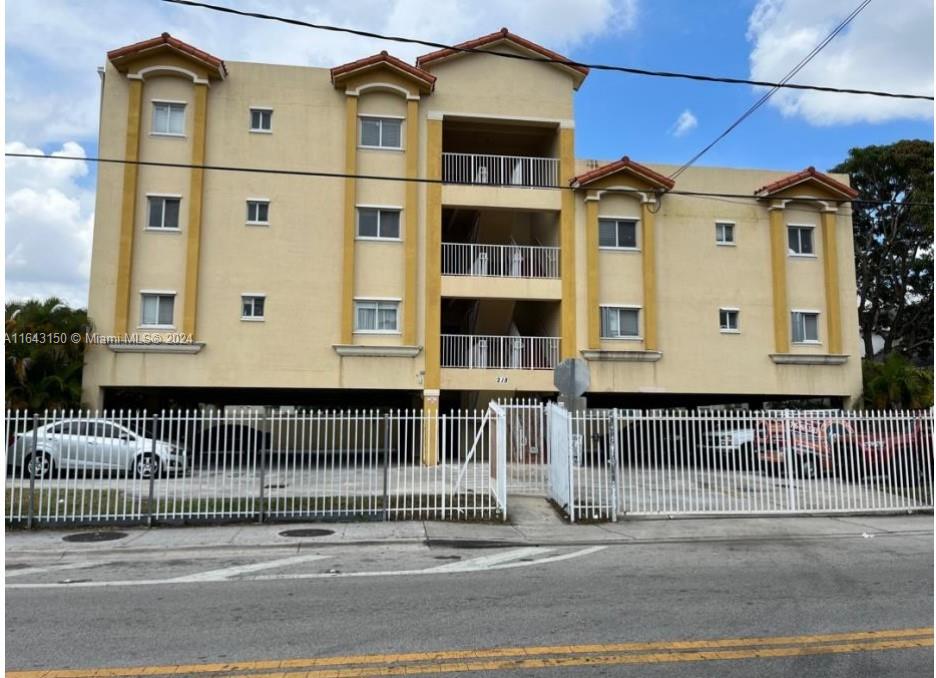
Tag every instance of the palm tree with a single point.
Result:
(897, 384)
(43, 363)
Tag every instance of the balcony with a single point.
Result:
(500, 170)
(500, 261)
(486, 352)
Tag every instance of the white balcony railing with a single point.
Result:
(485, 352)
(500, 170)
(500, 261)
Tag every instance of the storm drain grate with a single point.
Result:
(100, 535)
(308, 532)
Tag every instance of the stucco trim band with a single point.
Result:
(377, 351)
(603, 355)
(808, 359)
(192, 348)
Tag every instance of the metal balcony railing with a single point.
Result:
(500, 170)
(485, 352)
(500, 261)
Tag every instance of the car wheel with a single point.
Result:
(40, 465)
(145, 467)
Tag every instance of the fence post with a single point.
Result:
(261, 464)
(32, 475)
(386, 468)
(613, 461)
(788, 461)
(154, 465)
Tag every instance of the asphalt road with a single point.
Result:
(240, 606)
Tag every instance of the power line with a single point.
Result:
(544, 59)
(418, 180)
(760, 102)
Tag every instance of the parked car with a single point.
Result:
(736, 444)
(844, 447)
(92, 445)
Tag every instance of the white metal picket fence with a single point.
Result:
(640, 463)
(96, 467)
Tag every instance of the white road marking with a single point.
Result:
(234, 570)
(48, 568)
(512, 563)
(486, 562)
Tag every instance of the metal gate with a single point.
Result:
(498, 470)
(526, 446)
(560, 487)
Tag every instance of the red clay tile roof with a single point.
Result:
(426, 78)
(624, 163)
(166, 39)
(808, 174)
(502, 34)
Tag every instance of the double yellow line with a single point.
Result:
(527, 658)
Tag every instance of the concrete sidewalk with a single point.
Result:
(533, 526)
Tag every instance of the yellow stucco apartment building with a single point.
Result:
(501, 254)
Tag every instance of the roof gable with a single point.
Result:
(123, 57)
(381, 63)
(624, 166)
(577, 72)
(812, 176)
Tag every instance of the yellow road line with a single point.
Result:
(528, 657)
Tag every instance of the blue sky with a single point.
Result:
(52, 95)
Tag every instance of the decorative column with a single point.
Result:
(568, 348)
(128, 206)
(830, 275)
(410, 237)
(196, 197)
(433, 356)
(350, 197)
(648, 252)
(778, 264)
(591, 275)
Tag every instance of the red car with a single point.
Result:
(844, 446)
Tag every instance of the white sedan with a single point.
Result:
(92, 445)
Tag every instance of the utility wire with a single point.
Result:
(545, 59)
(760, 102)
(418, 180)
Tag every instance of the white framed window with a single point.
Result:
(805, 327)
(728, 320)
(252, 306)
(724, 233)
(378, 132)
(261, 119)
(377, 316)
(378, 223)
(169, 118)
(258, 212)
(620, 234)
(800, 241)
(620, 322)
(157, 308)
(163, 212)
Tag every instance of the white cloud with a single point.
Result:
(49, 220)
(685, 123)
(888, 46)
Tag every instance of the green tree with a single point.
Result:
(896, 383)
(894, 245)
(43, 363)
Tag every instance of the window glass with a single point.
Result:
(370, 132)
(367, 223)
(171, 216)
(258, 211)
(627, 234)
(165, 310)
(724, 233)
(390, 133)
(150, 302)
(260, 119)
(805, 327)
(628, 322)
(389, 224)
(367, 316)
(378, 316)
(620, 322)
(155, 213)
(168, 118)
(607, 234)
(800, 240)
